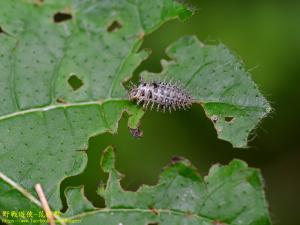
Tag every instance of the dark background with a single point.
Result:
(266, 35)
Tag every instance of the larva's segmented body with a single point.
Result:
(163, 94)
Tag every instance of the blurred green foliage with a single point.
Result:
(266, 35)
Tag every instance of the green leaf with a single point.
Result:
(44, 117)
(231, 194)
(62, 68)
(77, 201)
(18, 205)
(217, 80)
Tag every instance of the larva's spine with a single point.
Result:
(165, 95)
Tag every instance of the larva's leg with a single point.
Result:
(172, 105)
(178, 105)
(147, 104)
(158, 107)
(139, 101)
(152, 105)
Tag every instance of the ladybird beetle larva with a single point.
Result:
(165, 95)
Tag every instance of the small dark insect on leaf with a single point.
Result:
(137, 133)
(214, 118)
(155, 212)
(60, 100)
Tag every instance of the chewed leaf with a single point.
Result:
(218, 81)
(231, 194)
(62, 68)
(77, 202)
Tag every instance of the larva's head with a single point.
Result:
(133, 93)
(139, 91)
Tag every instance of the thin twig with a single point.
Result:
(19, 188)
(27, 194)
(44, 203)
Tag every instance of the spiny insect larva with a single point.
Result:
(166, 95)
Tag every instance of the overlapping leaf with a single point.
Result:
(218, 81)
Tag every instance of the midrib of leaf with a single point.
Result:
(242, 107)
(146, 211)
(50, 107)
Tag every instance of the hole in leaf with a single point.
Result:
(93, 178)
(75, 82)
(114, 26)
(61, 17)
(229, 119)
(153, 223)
